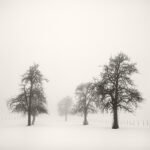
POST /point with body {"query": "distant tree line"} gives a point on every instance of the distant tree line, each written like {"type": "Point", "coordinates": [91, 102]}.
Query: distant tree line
{"type": "Point", "coordinates": [113, 91]}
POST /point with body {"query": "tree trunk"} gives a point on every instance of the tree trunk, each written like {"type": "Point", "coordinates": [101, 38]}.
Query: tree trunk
{"type": "Point", "coordinates": [66, 117]}
{"type": "Point", "coordinates": [33, 120]}
{"type": "Point", "coordinates": [29, 117]}
{"type": "Point", "coordinates": [115, 118]}
{"type": "Point", "coordinates": [85, 122]}
{"type": "Point", "coordinates": [115, 107]}
{"type": "Point", "coordinates": [29, 108]}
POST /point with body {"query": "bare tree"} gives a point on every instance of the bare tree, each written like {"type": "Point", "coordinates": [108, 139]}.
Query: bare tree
{"type": "Point", "coordinates": [31, 100]}
{"type": "Point", "coordinates": [85, 100]}
{"type": "Point", "coordinates": [64, 107]}
{"type": "Point", "coordinates": [116, 88]}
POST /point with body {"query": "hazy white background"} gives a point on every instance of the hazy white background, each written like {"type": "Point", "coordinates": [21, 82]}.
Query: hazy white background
{"type": "Point", "coordinates": [70, 39]}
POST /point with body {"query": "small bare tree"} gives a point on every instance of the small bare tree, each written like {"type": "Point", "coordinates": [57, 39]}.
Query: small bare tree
{"type": "Point", "coordinates": [85, 100]}
{"type": "Point", "coordinates": [64, 107]}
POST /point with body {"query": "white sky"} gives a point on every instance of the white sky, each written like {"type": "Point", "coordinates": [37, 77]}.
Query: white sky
{"type": "Point", "coordinates": [70, 39]}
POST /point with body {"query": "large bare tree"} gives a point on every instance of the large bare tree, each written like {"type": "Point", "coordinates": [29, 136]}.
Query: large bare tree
{"type": "Point", "coordinates": [116, 89]}
{"type": "Point", "coordinates": [31, 100]}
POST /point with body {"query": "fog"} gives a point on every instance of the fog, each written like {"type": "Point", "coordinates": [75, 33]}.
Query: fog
{"type": "Point", "coordinates": [71, 40]}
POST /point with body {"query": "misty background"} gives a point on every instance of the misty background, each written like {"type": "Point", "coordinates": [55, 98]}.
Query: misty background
{"type": "Point", "coordinates": [71, 40]}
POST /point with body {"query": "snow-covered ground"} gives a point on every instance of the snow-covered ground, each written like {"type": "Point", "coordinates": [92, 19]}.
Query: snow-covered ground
{"type": "Point", "coordinates": [51, 133]}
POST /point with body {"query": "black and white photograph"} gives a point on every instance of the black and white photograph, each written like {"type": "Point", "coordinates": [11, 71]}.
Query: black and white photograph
{"type": "Point", "coordinates": [74, 74]}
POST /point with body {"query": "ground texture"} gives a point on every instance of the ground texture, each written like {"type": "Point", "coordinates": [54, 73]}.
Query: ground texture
{"type": "Point", "coordinates": [71, 135]}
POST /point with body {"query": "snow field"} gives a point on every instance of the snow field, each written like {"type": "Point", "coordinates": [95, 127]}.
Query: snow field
{"type": "Point", "coordinates": [55, 134]}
